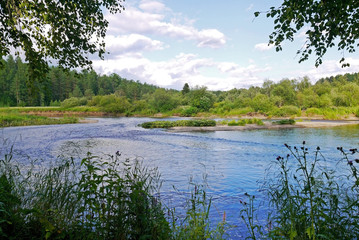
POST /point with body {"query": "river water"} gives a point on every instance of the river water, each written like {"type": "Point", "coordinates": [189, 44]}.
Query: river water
{"type": "Point", "coordinates": [232, 163]}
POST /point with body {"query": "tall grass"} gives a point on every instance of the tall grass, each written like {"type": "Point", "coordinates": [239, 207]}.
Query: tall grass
{"type": "Point", "coordinates": [102, 198]}
{"type": "Point", "coordinates": [310, 200]}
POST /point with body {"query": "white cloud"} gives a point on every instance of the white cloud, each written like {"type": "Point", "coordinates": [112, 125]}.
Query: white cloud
{"type": "Point", "coordinates": [131, 43]}
{"type": "Point", "coordinates": [181, 69]}
{"type": "Point", "coordinates": [250, 7]}
{"type": "Point", "coordinates": [263, 46]}
{"type": "Point", "coordinates": [332, 68]}
{"type": "Point", "coordinates": [152, 6]}
{"type": "Point", "coordinates": [133, 20]}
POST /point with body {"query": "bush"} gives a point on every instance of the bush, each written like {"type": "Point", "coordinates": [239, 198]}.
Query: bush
{"type": "Point", "coordinates": [189, 112]}
{"type": "Point", "coordinates": [71, 102]}
{"type": "Point", "coordinates": [284, 121]}
{"type": "Point", "coordinates": [179, 123]}
{"type": "Point", "coordinates": [243, 122]}
{"type": "Point", "coordinates": [286, 111]}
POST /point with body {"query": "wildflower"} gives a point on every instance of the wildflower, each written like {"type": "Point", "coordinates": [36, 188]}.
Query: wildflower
{"type": "Point", "coordinates": [318, 148]}
{"type": "Point", "coordinates": [303, 142]}
{"type": "Point", "coordinates": [118, 153]}
{"type": "Point", "coordinates": [356, 160]}
{"type": "Point", "coordinates": [286, 145]}
{"type": "Point", "coordinates": [350, 163]}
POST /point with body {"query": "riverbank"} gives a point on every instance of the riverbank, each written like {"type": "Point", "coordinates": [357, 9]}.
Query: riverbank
{"type": "Point", "coordinates": [267, 125]}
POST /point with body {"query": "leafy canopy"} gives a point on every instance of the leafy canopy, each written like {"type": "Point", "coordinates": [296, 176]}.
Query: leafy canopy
{"type": "Point", "coordinates": [68, 31]}
{"type": "Point", "coordinates": [327, 23]}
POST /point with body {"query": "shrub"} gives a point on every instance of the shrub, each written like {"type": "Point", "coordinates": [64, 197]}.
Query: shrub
{"type": "Point", "coordinates": [285, 121]}
{"type": "Point", "coordinates": [189, 111]}
{"type": "Point", "coordinates": [71, 102]}
{"type": "Point", "coordinates": [286, 111]}
{"type": "Point", "coordinates": [179, 123]}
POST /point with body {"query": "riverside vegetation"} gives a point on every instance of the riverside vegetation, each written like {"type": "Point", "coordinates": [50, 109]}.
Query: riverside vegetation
{"type": "Point", "coordinates": [87, 92]}
{"type": "Point", "coordinates": [14, 118]}
{"type": "Point", "coordinates": [114, 198]}
{"type": "Point", "coordinates": [99, 198]}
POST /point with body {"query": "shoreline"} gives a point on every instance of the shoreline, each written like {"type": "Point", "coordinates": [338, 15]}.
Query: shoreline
{"type": "Point", "coordinates": [267, 125]}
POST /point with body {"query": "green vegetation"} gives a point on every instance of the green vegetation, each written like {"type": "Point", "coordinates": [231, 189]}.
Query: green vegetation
{"type": "Point", "coordinates": [102, 198]}
{"type": "Point", "coordinates": [11, 119]}
{"type": "Point", "coordinates": [180, 123]}
{"type": "Point", "coordinates": [74, 37]}
{"type": "Point", "coordinates": [337, 19]}
{"type": "Point", "coordinates": [309, 200]}
{"type": "Point", "coordinates": [242, 122]}
{"type": "Point", "coordinates": [284, 121]}
{"type": "Point", "coordinates": [329, 98]}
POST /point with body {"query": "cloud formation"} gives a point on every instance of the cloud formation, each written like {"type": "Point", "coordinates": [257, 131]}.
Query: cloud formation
{"type": "Point", "coordinates": [183, 68]}
{"type": "Point", "coordinates": [151, 19]}
{"type": "Point", "coordinates": [332, 68]}
{"type": "Point", "coordinates": [263, 46]}
{"type": "Point", "coordinates": [132, 43]}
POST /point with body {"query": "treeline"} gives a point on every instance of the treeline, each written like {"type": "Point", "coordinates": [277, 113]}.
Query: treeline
{"type": "Point", "coordinates": [59, 85]}
{"type": "Point", "coordinates": [330, 97]}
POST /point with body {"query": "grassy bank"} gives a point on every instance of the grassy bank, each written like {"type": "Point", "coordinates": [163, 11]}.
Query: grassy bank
{"type": "Point", "coordinates": [14, 118]}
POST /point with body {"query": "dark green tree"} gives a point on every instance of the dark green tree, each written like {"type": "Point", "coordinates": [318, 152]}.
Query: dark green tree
{"type": "Point", "coordinates": [18, 85]}
{"type": "Point", "coordinates": [68, 31]}
{"type": "Point", "coordinates": [329, 23]}
{"type": "Point", "coordinates": [185, 89]}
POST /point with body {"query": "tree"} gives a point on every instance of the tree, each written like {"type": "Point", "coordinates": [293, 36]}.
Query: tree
{"type": "Point", "coordinates": [185, 89]}
{"type": "Point", "coordinates": [68, 31]}
{"type": "Point", "coordinates": [327, 23]}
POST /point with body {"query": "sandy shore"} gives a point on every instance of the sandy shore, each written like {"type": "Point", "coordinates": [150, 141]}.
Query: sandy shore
{"type": "Point", "coordinates": [267, 125]}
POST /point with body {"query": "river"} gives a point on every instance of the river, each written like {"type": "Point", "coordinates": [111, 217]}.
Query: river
{"type": "Point", "coordinates": [233, 162]}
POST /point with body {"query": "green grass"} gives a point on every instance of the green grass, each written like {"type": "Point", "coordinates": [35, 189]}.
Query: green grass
{"type": "Point", "coordinates": [11, 119]}
{"type": "Point", "coordinates": [284, 122]}
{"type": "Point", "coordinates": [179, 123]}
{"type": "Point", "coordinates": [242, 122]}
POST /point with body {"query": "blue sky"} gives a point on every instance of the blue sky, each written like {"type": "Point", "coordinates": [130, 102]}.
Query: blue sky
{"type": "Point", "coordinates": [205, 43]}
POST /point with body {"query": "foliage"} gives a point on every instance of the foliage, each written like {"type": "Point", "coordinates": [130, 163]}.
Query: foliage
{"type": "Point", "coordinates": [286, 111]}
{"type": "Point", "coordinates": [201, 99]}
{"type": "Point", "coordinates": [100, 199]}
{"type": "Point", "coordinates": [73, 102]}
{"type": "Point", "coordinates": [74, 34]}
{"type": "Point", "coordinates": [334, 97]}
{"type": "Point", "coordinates": [284, 122]}
{"type": "Point", "coordinates": [189, 112]}
{"type": "Point", "coordinates": [179, 123]}
{"type": "Point", "coordinates": [197, 224]}
{"type": "Point", "coordinates": [327, 24]}
{"type": "Point", "coordinates": [242, 122]}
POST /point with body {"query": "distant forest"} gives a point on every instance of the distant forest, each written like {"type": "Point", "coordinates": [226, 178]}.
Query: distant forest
{"type": "Point", "coordinates": [60, 85]}
{"type": "Point", "coordinates": [118, 95]}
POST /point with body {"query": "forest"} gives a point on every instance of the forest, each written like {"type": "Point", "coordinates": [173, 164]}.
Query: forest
{"type": "Point", "coordinates": [333, 97]}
